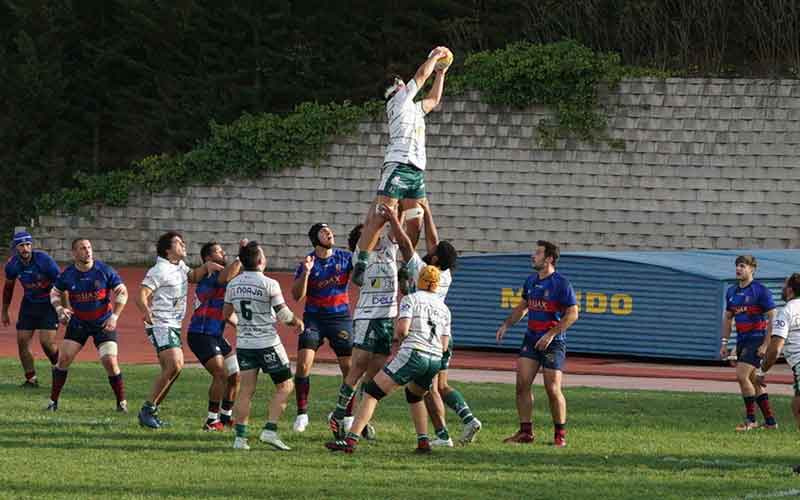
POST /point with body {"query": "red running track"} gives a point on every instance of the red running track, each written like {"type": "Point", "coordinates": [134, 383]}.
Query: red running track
{"type": "Point", "coordinates": [134, 347]}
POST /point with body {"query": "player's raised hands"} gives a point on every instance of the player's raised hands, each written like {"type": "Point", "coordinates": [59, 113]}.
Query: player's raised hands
{"type": "Point", "coordinates": [213, 267]}
{"type": "Point", "coordinates": [308, 263]}
{"type": "Point", "coordinates": [387, 212]}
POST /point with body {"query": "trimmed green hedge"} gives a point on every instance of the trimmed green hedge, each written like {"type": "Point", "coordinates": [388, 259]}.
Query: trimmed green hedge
{"type": "Point", "coordinates": [563, 76]}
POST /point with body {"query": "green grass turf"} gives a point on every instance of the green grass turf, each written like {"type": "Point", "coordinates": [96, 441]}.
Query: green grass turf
{"type": "Point", "coordinates": [622, 444]}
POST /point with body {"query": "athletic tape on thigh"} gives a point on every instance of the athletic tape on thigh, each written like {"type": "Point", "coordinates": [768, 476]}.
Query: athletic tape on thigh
{"type": "Point", "coordinates": [108, 348]}
{"type": "Point", "coordinates": [231, 365]}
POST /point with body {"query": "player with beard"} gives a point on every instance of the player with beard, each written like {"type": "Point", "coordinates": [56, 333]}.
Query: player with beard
{"type": "Point", "coordinates": [36, 272]}
{"type": "Point", "coordinates": [551, 306]}
{"type": "Point", "coordinates": [81, 297]}
{"type": "Point", "coordinates": [750, 305]}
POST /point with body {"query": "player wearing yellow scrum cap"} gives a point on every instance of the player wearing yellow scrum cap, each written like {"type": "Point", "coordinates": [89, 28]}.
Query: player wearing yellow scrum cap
{"type": "Point", "coordinates": [429, 279]}
{"type": "Point", "coordinates": [423, 326]}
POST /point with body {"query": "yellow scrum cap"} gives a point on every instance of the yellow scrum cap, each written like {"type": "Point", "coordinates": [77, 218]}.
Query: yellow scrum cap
{"type": "Point", "coordinates": [429, 278]}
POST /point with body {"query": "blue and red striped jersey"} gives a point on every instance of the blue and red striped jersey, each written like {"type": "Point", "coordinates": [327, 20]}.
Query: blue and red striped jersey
{"type": "Point", "coordinates": [547, 300]}
{"type": "Point", "coordinates": [749, 306]}
{"type": "Point", "coordinates": [36, 277]}
{"type": "Point", "coordinates": [209, 297]}
{"type": "Point", "coordinates": [327, 283]}
{"type": "Point", "coordinates": [89, 292]}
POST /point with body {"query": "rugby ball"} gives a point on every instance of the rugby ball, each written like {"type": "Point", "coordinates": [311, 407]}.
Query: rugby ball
{"type": "Point", "coordinates": [444, 61]}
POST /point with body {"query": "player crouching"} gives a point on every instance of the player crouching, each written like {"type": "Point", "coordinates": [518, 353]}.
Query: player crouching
{"type": "Point", "coordinates": [258, 303]}
{"type": "Point", "coordinates": [423, 325]}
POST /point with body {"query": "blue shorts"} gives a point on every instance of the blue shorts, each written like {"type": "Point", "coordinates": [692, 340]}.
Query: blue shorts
{"type": "Point", "coordinates": [338, 329]}
{"type": "Point", "coordinates": [747, 350]}
{"type": "Point", "coordinates": [80, 332]}
{"type": "Point", "coordinates": [206, 347]}
{"type": "Point", "coordinates": [551, 358]}
{"type": "Point", "coordinates": [33, 316]}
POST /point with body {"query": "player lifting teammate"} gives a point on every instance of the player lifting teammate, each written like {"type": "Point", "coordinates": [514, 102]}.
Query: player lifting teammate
{"type": "Point", "coordinates": [549, 301]}
{"type": "Point", "coordinates": [36, 272]}
{"type": "Point", "coordinates": [81, 297]}
{"type": "Point", "coordinates": [423, 326]}
{"type": "Point", "coordinates": [258, 303]}
{"type": "Point", "coordinates": [373, 318]}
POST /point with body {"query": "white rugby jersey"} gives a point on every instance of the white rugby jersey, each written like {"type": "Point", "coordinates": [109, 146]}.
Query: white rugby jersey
{"type": "Point", "coordinates": [170, 284]}
{"type": "Point", "coordinates": [416, 265]}
{"type": "Point", "coordinates": [377, 299]}
{"type": "Point", "coordinates": [253, 297]}
{"type": "Point", "coordinates": [787, 326]}
{"type": "Point", "coordinates": [406, 128]}
{"type": "Point", "coordinates": [430, 321]}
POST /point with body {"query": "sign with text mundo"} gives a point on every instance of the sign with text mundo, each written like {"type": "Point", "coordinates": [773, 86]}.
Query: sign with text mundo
{"type": "Point", "coordinates": [624, 307]}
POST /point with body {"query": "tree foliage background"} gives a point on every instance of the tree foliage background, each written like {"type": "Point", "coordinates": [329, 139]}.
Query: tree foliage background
{"type": "Point", "coordinates": [90, 86]}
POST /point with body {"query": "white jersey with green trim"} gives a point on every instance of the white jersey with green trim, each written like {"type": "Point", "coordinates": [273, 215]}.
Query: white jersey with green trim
{"type": "Point", "coordinates": [253, 297]}
{"type": "Point", "coordinates": [377, 298]}
{"type": "Point", "coordinates": [170, 285]}
{"type": "Point", "coordinates": [787, 326]}
{"type": "Point", "coordinates": [415, 266]}
{"type": "Point", "coordinates": [406, 128]}
{"type": "Point", "coordinates": [430, 321]}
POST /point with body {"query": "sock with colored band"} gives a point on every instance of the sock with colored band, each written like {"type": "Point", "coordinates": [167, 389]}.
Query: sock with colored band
{"type": "Point", "coordinates": [30, 376]}
{"type": "Point", "coordinates": [271, 426]}
{"type": "Point", "coordinates": [455, 401]}
{"type": "Point", "coordinates": [118, 386]}
{"type": "Point", "coordinates": [241, 430]}
{"type": "Point", "coordinates": [766, 409]}
{"type": "Point", "coordinates": [59, 379]}
{"type": "Point", "coordinates": [750, 408]}
{"type": "Point", "coordinates": [443, 434]}
{"type": "Point", "coordinates": [352, 439]}
{"type": "Point", "coordinates": [226, 412]}
{"type": "Point", "coordinates": [526, 427]}
{"type": "Point", "coordinates": [302, 387]}
{"type": "Point", "coordinates": [213, 411]}
{"type": "Point", "coordinates": [344, 403]}
{"type": "Point", "coordinates": [560, 429]}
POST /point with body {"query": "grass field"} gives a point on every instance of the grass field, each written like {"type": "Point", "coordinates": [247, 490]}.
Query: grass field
{"type": "Point", "coordinates": [633, 444]}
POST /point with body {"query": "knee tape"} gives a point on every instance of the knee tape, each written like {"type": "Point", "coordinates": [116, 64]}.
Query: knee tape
{"type": "Point", "coordinates": [231, 365]}
{"type": "Point", "coordinates": [373, 390]}
{"type": "Point", "coordinates": [411, 397]}
{"type": "Point", "coordinates": [108, 348]}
